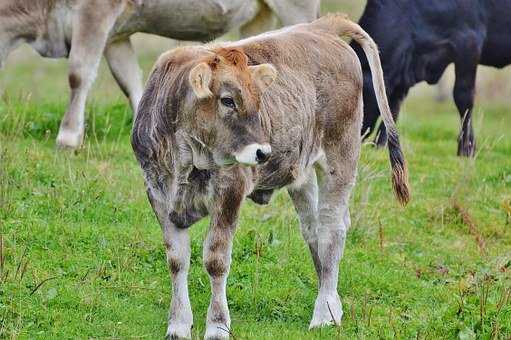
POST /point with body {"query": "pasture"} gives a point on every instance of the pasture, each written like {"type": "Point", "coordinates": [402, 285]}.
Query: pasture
{"type": "Point", "coordinates": [81, 254]}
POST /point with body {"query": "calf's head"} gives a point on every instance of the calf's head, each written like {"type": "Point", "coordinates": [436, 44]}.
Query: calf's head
{"type": "Point", "coordinates": [225, 101]}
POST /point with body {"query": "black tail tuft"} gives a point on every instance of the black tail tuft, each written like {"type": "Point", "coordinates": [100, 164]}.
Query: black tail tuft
{"type": "Point", "coordinates": [399, 169]}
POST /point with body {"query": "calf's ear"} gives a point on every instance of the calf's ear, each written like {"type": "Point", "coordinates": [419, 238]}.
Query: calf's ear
{"type": "Point", "coordinates": [200, 80]}
{"type": "Point", "coordinates": [263, 75]}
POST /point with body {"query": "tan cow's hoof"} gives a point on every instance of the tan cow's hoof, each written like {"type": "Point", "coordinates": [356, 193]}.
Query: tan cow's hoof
{"type": "Point", "coordinates": [69, 139]}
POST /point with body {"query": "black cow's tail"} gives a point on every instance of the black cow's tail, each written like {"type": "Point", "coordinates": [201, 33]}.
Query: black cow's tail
{"type": "Point", "coordinates": [340, 24]}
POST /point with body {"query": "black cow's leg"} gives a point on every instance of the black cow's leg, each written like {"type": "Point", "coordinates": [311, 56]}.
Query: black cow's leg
{"type": "Point", "coordinates": [381, 135]}
{"type": "Point", "coordinates": [380, 140]}
{"type": "Point", "coordinates": [464, 89]}
{"type": "Point", "coordinates": [369, 125]}
{"type": "Point", "coordinates": [371, 112]}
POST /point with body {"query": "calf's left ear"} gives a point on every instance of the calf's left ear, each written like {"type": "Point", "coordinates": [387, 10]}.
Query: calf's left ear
{"type": "Point", "coordinates": [263, 75]}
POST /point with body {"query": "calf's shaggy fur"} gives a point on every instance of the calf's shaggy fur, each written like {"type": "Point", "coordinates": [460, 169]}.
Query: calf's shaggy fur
{"type": "Point", "coordinates": [223, 122]}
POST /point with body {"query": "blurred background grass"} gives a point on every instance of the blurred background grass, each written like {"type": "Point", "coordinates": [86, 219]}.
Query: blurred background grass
{"type": "Point", "coordinates": [28, 74]}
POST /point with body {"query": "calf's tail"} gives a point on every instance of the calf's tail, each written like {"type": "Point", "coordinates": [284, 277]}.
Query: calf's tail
{"type": "Point", "coordinates": [342, 26]}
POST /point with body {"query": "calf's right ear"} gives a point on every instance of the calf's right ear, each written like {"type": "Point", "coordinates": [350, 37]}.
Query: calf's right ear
{"type": "Point", "coordinates": [200, 80]}
{"type": "Point", "coordinates": [264, 75]}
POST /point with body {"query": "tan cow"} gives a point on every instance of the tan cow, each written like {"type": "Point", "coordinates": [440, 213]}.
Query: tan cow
{"type": "Point", "coordinates": [83, 30]}
{"type": "Point", "coordinates": [223, 122]}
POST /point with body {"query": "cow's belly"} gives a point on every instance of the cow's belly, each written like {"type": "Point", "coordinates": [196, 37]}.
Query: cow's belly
{"type": "Point", "coordinates": [497, 53]}
{"type": "Point", "coordinates": [200, 20]}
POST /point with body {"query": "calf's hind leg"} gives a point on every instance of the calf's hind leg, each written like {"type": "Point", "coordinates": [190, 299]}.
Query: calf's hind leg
{"type": "Point", "coordinates": [305, 200]}
{"type": "Point", "coordinates": [336, 183]}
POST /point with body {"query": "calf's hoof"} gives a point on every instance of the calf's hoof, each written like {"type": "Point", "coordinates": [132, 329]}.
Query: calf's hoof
{"type": "Point", "coordinates": [327, 311]}
{"type": "Point", "coordinates": [69, 139]}
{"type": "Point", "coordinates": [179, 331]}
{"type": "Point", "coordinates": [216, 331]}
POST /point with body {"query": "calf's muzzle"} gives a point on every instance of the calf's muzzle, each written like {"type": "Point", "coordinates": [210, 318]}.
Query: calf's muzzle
{"type": "Point", "coordinates": [253, 154]}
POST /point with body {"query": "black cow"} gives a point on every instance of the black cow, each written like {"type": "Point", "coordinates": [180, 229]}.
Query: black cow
{"type": "Point", "coordinates": [418, 39]}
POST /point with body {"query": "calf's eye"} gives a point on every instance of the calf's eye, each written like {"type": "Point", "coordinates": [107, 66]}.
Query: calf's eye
{"type": "Point", "coordinates": [228, 102]}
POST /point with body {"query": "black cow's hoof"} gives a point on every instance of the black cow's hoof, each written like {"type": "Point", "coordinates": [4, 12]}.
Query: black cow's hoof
{"type": "Point", "coordinates": [466, 148]}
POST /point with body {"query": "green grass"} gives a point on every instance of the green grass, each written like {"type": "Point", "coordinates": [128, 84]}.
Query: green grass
{"type": "Point", "coordinates": [82, 221]}
{"type": "Point", "coordinates": [82, 254]}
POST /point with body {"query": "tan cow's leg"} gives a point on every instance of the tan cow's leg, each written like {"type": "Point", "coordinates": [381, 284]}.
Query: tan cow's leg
{"type": "Point", "coordinates": [217, 254]}
{"type": "Point", "coordinates": [291, 12]}
{"type": "Point", "coordinates": [265, 20]}
{"type": "Point", "coordinates": [90, 33]}
{"type": "Point", "coordinates": [177, 245]}
{"type": "Point", "coordinates": [123, 63]}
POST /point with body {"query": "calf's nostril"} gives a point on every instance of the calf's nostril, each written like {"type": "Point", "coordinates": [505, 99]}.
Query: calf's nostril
{"type": "Point", "coordinates": [261, 156]}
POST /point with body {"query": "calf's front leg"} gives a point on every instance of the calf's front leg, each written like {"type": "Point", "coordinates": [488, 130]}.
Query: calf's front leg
{"type": "Point", "coordinates": [217, 256]}
{"type": "Point", "coordinates": [177, 245]}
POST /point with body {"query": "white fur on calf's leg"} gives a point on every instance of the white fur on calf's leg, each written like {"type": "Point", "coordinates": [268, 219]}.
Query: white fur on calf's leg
{"type": "Point", "coordinates": [217, 260]}
{"type": "Point", "coordinates": [177, 246]}
{"type": "Point", "coordinates": [218, 247]}
{"type": "Point", "coordinates": [331, 241]}
{"type": "Point", "coordinates": [333, 226]}
{"type": "Point", "coordinates": [305, 200]}
{"type": "Point", "coordinates": [177, 243]}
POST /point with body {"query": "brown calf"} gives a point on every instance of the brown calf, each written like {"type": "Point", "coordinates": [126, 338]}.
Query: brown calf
{"type": "Point", "coordinates": [223, 122]}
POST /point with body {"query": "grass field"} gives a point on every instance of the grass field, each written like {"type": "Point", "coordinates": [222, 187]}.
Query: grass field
{"type": "Point", "coordinates": [81, 254]}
